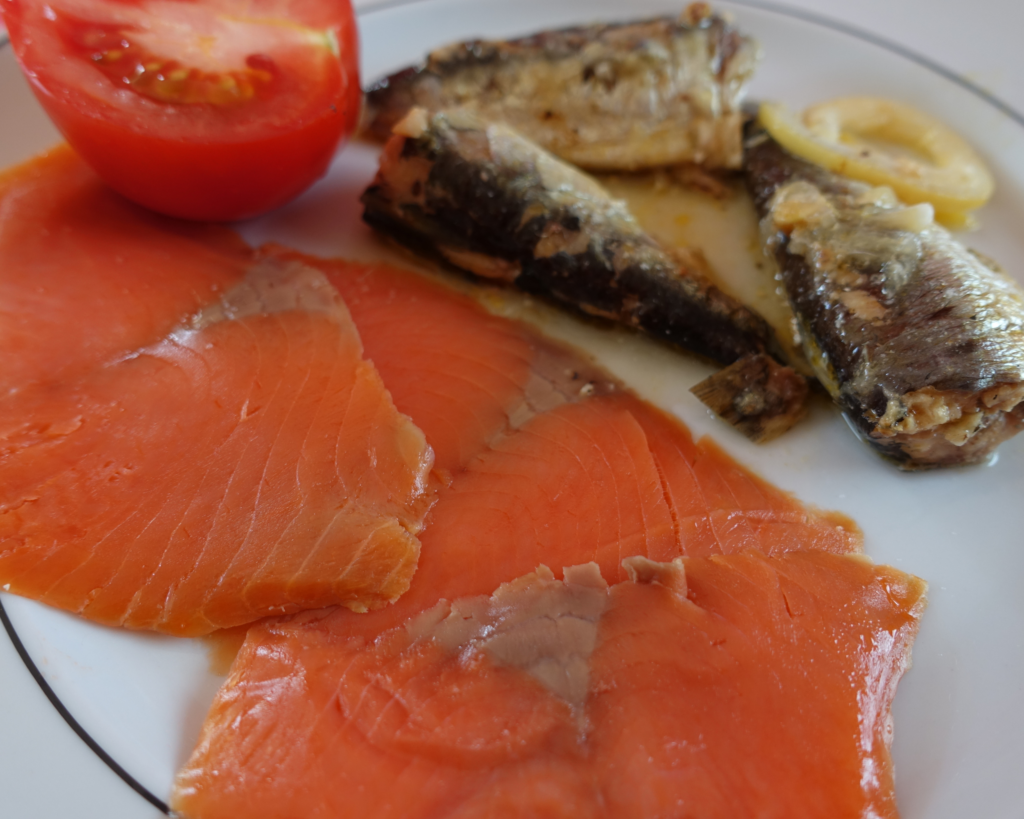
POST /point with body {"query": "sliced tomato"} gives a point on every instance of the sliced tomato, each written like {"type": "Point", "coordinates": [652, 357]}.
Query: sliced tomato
{"type": "Point", "coordinates": [203, 109]}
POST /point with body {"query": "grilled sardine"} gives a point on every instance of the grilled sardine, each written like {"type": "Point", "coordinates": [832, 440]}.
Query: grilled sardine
{"type": "Point", "coordinates": [604, 97]}
{"type": "Point", "coordinates": [490, 202]}
{"type": "Point", "coordinates": [917, 338]}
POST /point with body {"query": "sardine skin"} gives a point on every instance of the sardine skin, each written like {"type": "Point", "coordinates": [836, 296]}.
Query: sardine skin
{"type": "Point", "coordinates": [618, 96]}
{"type": "Point", "coordinates": [489, 202]}
{"type": "Point", "coordinates": [917, 338]}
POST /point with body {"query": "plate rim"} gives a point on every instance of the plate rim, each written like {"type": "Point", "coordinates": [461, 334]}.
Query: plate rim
{"type": "Point", "coordinates": [369, 9]}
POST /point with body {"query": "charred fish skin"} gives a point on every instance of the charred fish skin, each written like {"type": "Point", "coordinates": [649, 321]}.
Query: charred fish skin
{"type": "Point", "coordinates": [918, 339]}
{"type": "Point", "coordinates": [604, 97]}
{"type": "Point", "coordinates": [491, 203]}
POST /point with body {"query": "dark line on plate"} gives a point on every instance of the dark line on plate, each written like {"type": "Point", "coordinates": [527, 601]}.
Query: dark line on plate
{"type": "Point", "coordinates": [55, 701]}
{"type": "Point", "coordinates": [387, 5]}
{"type": "Point", "coordinates": [51, 695]}
{"type": "Point", "coordinates": [829, 23]}
{"type": "Point", "coordinates": [890, 45]}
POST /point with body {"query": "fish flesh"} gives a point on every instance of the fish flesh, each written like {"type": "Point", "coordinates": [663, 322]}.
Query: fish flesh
{"type": "Point", "coordinates": [249, 462]}
{"type": "Point", "coordinates": [917, 338]}
{"type": "Point", "coordinates": [721, 507]}
{"type": "Point", "coordinates": [547, 457]}
{"type": "Point", "coordinates": [248, 465]}
{"type": "Point", "coordinates": [463, 372]}
{"type": "Point", "coordinates": [583, 480]}
{"type": "Point", "coordinates": [489, 202]}
{"type": "Point", "coordinates": [85, 251]}
{"type": "Point", "coordinates": [695, 687]}
{"type": "Point", "coordinates": [620, 96]}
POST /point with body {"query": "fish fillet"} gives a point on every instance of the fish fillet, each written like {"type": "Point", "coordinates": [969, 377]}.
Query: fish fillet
{"type": "Point", "coordinates": [247, 462]}
{"type": "Point", "coordinates": [480, 197]}
{"type": "Point", "coordinates": [649, 698]}
{"type": "Point", "coordinates": [569, 467]}
{"type": "Point", "coordinates": [618, 96]}
{"type": "Point", "coordinates": [917, 338]}
{"type": "Point", "coordinates": [85, 275]}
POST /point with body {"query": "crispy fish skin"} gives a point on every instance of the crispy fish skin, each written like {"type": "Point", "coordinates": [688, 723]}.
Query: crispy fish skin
{"type": "Point", "coordinates": [493, 204]}
{"type": "Point", "coordinates": [917, 338]}
{"type": "Point", "coordinates": [490, 202]}
{"type": "Point", "coordinates": [604, 97]}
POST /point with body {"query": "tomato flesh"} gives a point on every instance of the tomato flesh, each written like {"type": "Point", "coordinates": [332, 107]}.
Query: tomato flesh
{"type": "Point", "coordinates": [202, 109]}
{"type": "Point", "coordinates": [124, 61]}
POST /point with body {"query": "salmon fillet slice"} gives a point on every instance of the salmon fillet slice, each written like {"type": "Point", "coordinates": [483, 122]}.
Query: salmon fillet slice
{"type": "Point", "coordinates": [576, 483]}
{"type": "Point", "coordinates": [546, 458]}
{"type": "Point", "coordinates": [722, 686]}
{"type": "Point", "coordinates": [470, 380]}
{"type": "Point", "coordinates": [461, 371]}
{"type": "Point", "coordinates": [772, 692]}
{"type": "Point", "coordinates": [85, 275]}
{"type": "Point", "coordinates": [720, 507]}
{"type": "Point", "coordinates": [250, 463]}
{"type": "Point", "coordinates": [603, 479]}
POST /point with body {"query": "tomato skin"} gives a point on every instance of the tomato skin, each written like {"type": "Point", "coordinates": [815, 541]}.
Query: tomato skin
{"type": "Point", "coordinates": [226, 171]}
{"type": "Point", "coordinates": [209, 181]}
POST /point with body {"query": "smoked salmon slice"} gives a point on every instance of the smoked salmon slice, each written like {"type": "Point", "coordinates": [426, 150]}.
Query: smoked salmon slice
{"type": "Point", "coordinates": [720, 507]}
{"type": "Point", "coordinates": [566, 466]}
{"type": "Point", "coordinates": [546, 457]}
{"type": "Point", "coordinates": [603, 479]}
{"type": "Point", "coordinates": [86, 276]}
{"type": "Point", "coordinates": [722, 686]}
{"type": "Point", "coordinates": [462, 371]}
{"type": "Point", "coordinates": [250, 463]}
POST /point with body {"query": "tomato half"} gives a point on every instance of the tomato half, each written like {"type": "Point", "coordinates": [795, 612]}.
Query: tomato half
{"type": "Point", "coordinates": [203, 109]}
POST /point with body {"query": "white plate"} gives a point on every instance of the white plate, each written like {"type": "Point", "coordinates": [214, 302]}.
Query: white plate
{"type": "Point", "coordinates": [959, 745]}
